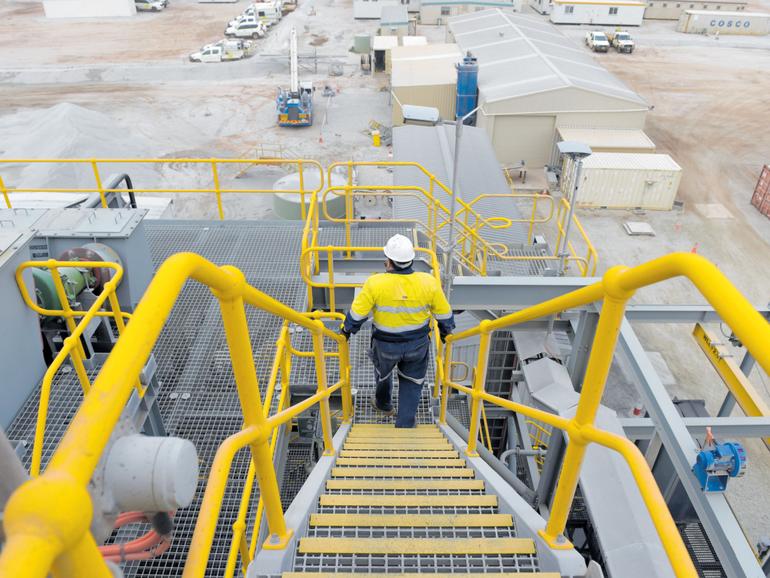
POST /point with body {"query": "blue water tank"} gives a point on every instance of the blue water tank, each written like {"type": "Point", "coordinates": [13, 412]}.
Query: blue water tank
{"type": "Point", "coordinates": [467, 87]}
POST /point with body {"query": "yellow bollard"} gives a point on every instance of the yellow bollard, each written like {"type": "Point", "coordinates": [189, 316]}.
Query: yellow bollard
{"type": "Point", "coordinates": [376, 139]}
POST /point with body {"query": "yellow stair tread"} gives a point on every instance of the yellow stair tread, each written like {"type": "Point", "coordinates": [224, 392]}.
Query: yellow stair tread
{"type": "Point", "coordinates": [376, 445]}
{"type": "Point", "coordinates": [428, 435]}
{"type": "Point", "coordinates": [417, 575]}
{"type": "Point", "coordinates": [399, 453]}
{"type": "Point", "coordinates": [439, 484]}
{"type": "Point", "coordinates": [484, 500]}
{"type": "Point", "coordinates": [353, 472]}
{"type": "Point", "coordinates": [390, 426]}
{"type": "Point", "coordinates": [388, 461]}
{"type": "Point", "coordinates": [355, 431]}
{"type": "Point", "coordinates": [412, 520]}
{"type": "Point", "coordinates": [416, 546]}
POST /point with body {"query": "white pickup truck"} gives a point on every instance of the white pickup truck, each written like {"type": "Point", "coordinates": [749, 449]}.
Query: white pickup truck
{"type": "Point", "coordinates": [150, 5]}
{"type": "Point", "coordinates": [597, 41]}
{"type": "Point", "coordinates": [247, 28]}
{"type": "Point", "coordinates": [622, 41]}
{"type": "Point", "coordinates": [222, 51]}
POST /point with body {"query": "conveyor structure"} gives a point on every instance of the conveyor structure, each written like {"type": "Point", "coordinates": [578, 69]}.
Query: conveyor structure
{"type": "Point", "coordinates": [217, 344]}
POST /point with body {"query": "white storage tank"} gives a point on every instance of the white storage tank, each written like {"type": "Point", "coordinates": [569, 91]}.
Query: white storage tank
{"type": "Point", "coordinates": [625, 181]}
{"type": "Point", "coordinates": [713, 22]}
{"type": "Point", "coordinates": [289, 205]}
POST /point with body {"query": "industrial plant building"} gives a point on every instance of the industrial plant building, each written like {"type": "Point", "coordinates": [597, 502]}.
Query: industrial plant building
{"type": "Point", "coordinates": [602, 12]}
{"type": "Point", "coordinates": [424, 76]}
{"type": "Point", "coordinates": [533, 80]}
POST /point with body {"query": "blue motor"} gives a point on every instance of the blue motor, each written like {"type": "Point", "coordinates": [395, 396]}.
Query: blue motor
{"type": "Point", "coordinates": [717, 463]}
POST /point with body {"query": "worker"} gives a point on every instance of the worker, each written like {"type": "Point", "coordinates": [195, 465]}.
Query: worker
{"type": "Point", "coordinates": [402, 302]}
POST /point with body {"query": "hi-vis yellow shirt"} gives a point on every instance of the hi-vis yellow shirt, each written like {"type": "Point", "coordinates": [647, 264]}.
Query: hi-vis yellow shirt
{"type": "Point", "coordinates": [402, 303]}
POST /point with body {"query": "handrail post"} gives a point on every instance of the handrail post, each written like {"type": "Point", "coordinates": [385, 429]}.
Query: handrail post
{"type": "Point", "coordinates": [347, 394]}
{"type": "Point", "coordinates": [99, 185]}
{"type": "Point", "coordinates": [217, 191]}
{"type": "Point", "coordinates": [348, 208]}
{"type": "Point", "coordinates": [78, 353]}
{"type": "Point", "coordinates": [532, 220]}
{"type": "Point", "coordinates": [302, 209]}
{"type": "Point", "coordinates": [602, 352]}
{"type": "Point", "coordinates": [478, 388]}
{"type": "Point", "coordinates": [4, 190]}
{"type": "Point", "coordinates": [320, 371]}
{"type": "Point", "coordinates": [238, 340]}
{"type": "Point", "coordinates": [447, 378]}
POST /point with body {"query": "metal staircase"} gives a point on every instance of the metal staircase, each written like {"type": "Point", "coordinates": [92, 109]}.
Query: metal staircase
{"type": "Point", "coordinates": [405, 501]}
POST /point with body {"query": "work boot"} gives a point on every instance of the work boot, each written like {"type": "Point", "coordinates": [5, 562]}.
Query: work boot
{"type": "Point", "coordinates": [388, 411]}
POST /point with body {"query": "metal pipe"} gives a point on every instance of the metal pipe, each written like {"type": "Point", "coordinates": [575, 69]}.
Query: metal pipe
{"type": "Point", "coordinates": [572, 202]}
{"type": "Point", "coordinates": [521, 488]}
{"type": "Point", "coordinates": [453, 202]}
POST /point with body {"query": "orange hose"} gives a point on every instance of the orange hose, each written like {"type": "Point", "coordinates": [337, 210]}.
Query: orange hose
{"type": "Point", "coordinates": [145, 547]}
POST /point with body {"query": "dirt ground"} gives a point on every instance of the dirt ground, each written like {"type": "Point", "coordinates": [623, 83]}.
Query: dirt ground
{"type": "Point", "coordinates": [711, 110]}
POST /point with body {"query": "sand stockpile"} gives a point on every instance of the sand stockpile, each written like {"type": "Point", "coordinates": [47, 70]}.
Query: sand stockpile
{"type": "Point", "coordinates": [68, 131]}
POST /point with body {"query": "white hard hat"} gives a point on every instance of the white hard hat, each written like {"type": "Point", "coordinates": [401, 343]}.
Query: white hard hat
{"type": "Point", "coordinates": [399, 249]}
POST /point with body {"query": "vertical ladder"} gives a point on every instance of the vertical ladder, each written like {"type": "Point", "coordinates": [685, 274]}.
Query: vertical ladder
{"type": "Point", "coordinates": [403, 501]}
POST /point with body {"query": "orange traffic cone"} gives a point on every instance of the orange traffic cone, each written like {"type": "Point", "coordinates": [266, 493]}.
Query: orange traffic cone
{"type": "Point", "coordinates": [694, 249]}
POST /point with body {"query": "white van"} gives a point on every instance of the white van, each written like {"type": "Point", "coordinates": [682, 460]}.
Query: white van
{"type": "Point", "coordinates": [247, 28]}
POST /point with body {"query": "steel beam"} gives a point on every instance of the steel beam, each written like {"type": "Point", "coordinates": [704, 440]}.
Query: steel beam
{"type": "Point", "coordinates": [734, 552]}
{"type": "Point", "coordinates": [721, 427]}
{"type": "Point", "coordinates": [512, 293]}
{"type": "Point", "coordinates": [581, 347]}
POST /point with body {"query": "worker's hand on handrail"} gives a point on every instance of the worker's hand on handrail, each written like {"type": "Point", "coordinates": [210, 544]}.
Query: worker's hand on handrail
{"type": "Point", "coordinates": [341, 331]}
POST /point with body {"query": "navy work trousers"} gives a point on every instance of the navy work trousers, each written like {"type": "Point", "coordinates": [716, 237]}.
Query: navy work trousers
{"type": "Point", "coordinates": [410, 360]}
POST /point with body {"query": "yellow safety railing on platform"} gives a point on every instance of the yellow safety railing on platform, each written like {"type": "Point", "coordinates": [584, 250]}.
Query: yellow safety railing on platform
{"type": "Point", "coordinates": [71, 347]}
{"type": "Point", "coordinates": [96, 166]}
{"type": "Point", "coordinates": [617, 286]}
{"type": "Point", "coordinates": [475, 251]}
{"type": "Point", "coordinates": [47, 519]}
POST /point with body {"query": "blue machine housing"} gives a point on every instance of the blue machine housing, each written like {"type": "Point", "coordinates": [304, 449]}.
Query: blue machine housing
{"type": "Point", "coordinates": [467, 87]}
{"type": "Point", "coordinates": [719, 462]}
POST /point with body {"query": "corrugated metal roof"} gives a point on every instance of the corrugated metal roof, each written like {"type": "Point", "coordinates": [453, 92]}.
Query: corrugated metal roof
{"type": "Point", "coordinates": [640, 161]}
{"type": "Point", "coordinates": [429, 65]}
{"type": "Point", "coordinates": [602, 2]}
{"type": "Point", "coordinates": [608, 138]}
{"type": "Point", "coordinates": [722, 13]}
{"type": "Point", "coordinates": [384, 42]}
{"type": "Point", "coordinates": [433, 148]}
{"type": "Point", "coordinates": [394, 14]}
{"type": "Point", "coordinates": [520, 55]}
{"type": "Point", "coordinates": [414, 40]}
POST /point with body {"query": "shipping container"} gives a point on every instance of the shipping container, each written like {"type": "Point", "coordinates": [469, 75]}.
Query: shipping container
{"type": "Point", "coordinates": [604, 12]}
{"type": "Point", "coordinates": [604, 140]}
{"type": "Point", "coordinates": [667, 10]}
{"type": "Point", "coordinates": [761, 197]}
{"type": "Point", "coordinates": [625, 181]}
{"type": "Point", "coordinates": [712, 22]}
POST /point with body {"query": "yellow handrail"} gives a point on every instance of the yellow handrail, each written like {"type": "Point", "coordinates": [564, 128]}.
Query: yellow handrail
{"type": "Point", "coordinates": [616, 287]}
{"type": "Point", "coordinates": [71, 347]}
{"type": "Point", "coordinates": [47, 519]}
{"type": "Point", "coordinates": [214, 164]}
{"type": "Point", "coordinates": [476, 250]}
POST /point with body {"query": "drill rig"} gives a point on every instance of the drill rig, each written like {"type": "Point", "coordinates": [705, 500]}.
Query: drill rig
{"type": "Point", "coordinates": [295, 106]}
